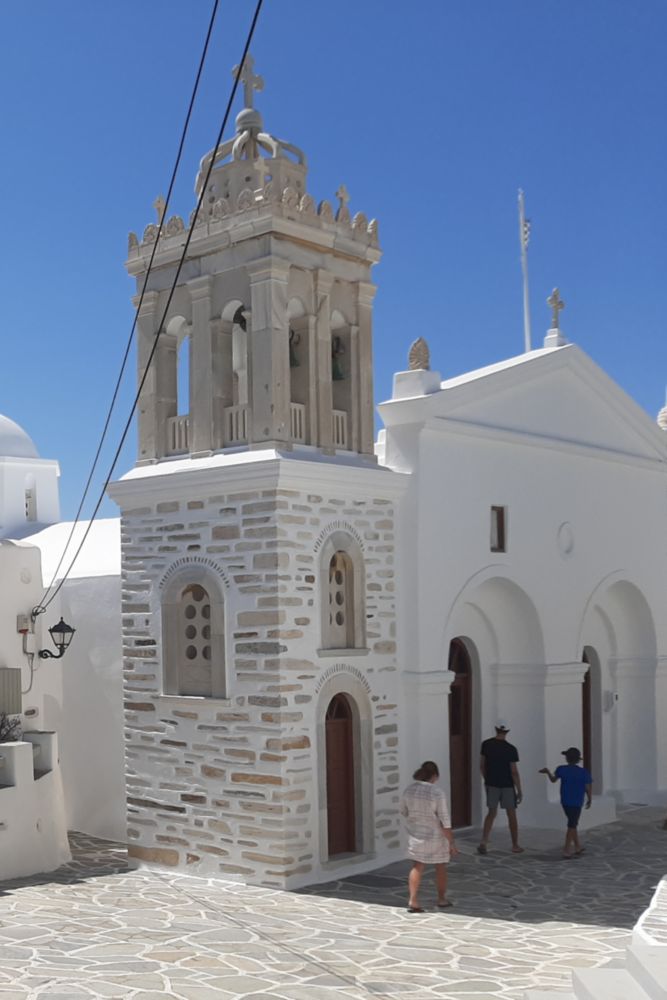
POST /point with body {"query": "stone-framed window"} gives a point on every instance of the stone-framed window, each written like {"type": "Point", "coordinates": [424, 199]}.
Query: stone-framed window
{"type": "Point", "coordinates": [193, 648]}
{"type": "Point", "coordinates": [343, 593]}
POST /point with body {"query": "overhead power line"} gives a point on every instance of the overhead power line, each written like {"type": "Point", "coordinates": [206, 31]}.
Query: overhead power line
{"type": "Point", "coordinates": [128, 346]}
{"type": "Point", "coordinates": [165, 312]}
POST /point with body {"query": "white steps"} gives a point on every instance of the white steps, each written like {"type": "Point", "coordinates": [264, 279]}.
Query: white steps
{"type": "Point", "coordinates": [647, 963]}
{"type": "Point", "coordinates": [606, 984]}
{"type": "Point", "coordinates": [644, 975]}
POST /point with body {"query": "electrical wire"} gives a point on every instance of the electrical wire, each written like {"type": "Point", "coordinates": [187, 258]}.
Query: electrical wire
{"type": "Point", "coordinates": [179, 268]}
{"type": "Point", "coordinates": [114, 397]}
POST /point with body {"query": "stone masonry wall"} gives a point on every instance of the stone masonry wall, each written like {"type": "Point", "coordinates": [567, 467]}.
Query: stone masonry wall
{"type": "Point", "coordinates": [230, 787]}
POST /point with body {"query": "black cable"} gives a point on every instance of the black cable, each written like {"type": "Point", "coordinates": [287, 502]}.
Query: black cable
{"type": "Point", "coordinates": [179, 268]}
{"type": "Point", "coordinates": [114, 397]}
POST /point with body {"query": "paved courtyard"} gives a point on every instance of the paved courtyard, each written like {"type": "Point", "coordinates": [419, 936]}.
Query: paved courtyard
{"type": "Point", "coordinates": [97, 929]}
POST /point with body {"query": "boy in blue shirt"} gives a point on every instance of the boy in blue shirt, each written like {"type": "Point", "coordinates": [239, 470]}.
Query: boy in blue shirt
{"type": "Point", "coordinates": [575, 785]}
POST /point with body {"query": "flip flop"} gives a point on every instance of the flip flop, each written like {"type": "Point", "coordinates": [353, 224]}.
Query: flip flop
{"type": "Point", "coordinates": [443, 906]}
{"type": "Point", "coordinates": [518, 850]}
{"type": "Point", "coordinates": [580, 851]}
{"type": "Point", "coordinates": [415, 909]}
{"type": "Point", "coordinates": [481, 849]}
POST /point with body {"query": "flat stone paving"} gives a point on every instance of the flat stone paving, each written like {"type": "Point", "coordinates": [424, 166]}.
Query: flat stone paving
{"type": "Point", "coordinates": [96, 928]}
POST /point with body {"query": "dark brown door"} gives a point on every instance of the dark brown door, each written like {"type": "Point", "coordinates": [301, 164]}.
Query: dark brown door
{"type": "Point", "coordinates": [586, 720]}
{"type": "Point", "coordinates": [340, 776]}
{"type": "Point", "coordinates": [460, 734]}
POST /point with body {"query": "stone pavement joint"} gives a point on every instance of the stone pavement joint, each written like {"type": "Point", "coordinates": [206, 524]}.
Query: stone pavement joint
{"type": "Point", "coordinates": [96, 928]}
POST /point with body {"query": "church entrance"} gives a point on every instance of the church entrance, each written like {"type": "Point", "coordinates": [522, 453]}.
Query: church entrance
{"type": "Point", "coordinates": [460, 734]}
{"type": "Point", "coordinates": [586, 717]}
{"type": "Point", "coordinates": [339, 728]}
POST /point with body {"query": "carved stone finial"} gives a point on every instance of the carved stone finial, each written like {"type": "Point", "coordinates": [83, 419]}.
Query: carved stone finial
{"type": "Point", "coordinates": [556, 304]}
{"type": "Point", "coordinates": [343, 196]}
{"type": "Point", "coordinates": [160, 206]}
{"type": "Point", "coordinates": [249, 80]}
{"type": "Point", "coordinates": [132, 241]}
{"type": "Point", "coordinates": [419, 356]}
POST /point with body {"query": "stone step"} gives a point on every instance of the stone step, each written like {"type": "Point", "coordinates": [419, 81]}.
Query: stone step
{"type": "Point", "coordinates": [606, 984]}
{"type": "Point", "coordinates": [647, 963]}
{"type": "Point", "coordinates": [548, 995]}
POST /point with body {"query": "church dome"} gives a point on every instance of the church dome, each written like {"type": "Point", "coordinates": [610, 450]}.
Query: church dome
{"type": "Point", "coordinates": [14, 442]}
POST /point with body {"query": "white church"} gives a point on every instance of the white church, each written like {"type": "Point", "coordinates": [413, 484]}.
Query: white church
{"type": "Point", "coordinates": [308, 613]}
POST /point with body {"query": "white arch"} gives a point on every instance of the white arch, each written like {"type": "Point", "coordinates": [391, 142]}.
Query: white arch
{"type": "Point", "coordinates": [506, 612]}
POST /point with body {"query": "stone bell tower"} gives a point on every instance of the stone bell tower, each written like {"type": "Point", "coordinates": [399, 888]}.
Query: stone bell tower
{"type": "Point", "coordinates": [274, 302]}
{"type": "Point", "coordinates": [258, 547]}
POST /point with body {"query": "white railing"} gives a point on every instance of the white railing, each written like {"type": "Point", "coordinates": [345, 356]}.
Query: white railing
{"type": "Point", "coordinates": [236, 424]}
{"type": "Point", "coordinates": [340, 429]}
{"type": "Point", "coordinates": [297, 415]}
{"type": "Point", "coordinates": [178, 434]}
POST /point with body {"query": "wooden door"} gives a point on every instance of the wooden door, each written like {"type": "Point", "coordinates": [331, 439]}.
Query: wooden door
{"type": "Point", "coordinates": [340, 776]}
{"type": "Point", "coordinates": [587, 718]}
{"type": "Point", "coordinates": [460, 734]}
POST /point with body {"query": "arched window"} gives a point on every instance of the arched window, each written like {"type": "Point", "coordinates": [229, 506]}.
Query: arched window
{"type": "Point", "coordinates": [341, 601]}
{"type": "Point", "coordinates": [193, 639]}
{"type": "Point", "coordinates": [343, 592]}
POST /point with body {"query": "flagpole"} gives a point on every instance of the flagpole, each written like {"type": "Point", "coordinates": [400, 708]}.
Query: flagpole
{"type": "Point", "coordinates": [524, 232]}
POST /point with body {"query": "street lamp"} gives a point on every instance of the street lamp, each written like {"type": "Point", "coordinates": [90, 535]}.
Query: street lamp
{"type": "Point", "coordinates": [62, 634]}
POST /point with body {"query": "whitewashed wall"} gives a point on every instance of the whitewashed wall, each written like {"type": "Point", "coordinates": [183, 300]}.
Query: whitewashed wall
{"type": "Point", "coordinates": [582, 472]}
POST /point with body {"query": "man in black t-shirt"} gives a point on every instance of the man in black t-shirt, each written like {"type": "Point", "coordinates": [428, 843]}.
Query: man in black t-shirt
{"type": "Point", "coordinates": [503, 785]}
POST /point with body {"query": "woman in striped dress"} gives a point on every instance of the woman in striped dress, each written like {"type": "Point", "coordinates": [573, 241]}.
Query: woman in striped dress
{"type": "Point", "coordinates": [430, 837]}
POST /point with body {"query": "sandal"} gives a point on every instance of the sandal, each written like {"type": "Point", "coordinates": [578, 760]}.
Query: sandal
{"type": "Point", "coordinates": [481, 849]}
{"type": "Point", "coordinates": [445, 905]}
{"type": "Point", "coordinates": [415, 909]}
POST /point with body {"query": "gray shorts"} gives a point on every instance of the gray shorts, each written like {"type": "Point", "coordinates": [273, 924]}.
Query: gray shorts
{"type": "Point", "coordinates": [503, 797]}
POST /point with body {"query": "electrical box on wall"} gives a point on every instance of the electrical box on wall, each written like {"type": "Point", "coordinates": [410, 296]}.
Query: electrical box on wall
{"type": "Point", "coordinates": [23, 623]}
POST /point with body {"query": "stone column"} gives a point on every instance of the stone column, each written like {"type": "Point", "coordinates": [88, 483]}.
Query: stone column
{"type": "Point", "coordinates": [365, 296]}
{"type": "Point", "coordinates": [661, 734]}
{"type": "Point", "coordinates": [635, 723]}
{"type": "Point", "coordinates": [147, 409]}
{"type": "Point", "coordinates": [517, 697]}
{"type": "Point", "coordinates": [202, 419]}
{"type": "Point", "coordinates": [563, 720]}
{"type": "Point", "coordinates": [426, 721]}
{"type": "Point", "coordinates": [269, 350]}
{"type": "Point", "coordinates": [158, 397]}
{"type": "Point", "coordinates": [323, 390]}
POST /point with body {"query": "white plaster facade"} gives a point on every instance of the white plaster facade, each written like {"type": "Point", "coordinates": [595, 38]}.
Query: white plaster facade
{"type": "Point", "coordinates": [580, 472]}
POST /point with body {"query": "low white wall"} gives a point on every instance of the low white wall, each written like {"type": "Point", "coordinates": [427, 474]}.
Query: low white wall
{"type": "Point", "coordinates": [91, 715]}
{"type": "Point", "coordinates": [33, 830]}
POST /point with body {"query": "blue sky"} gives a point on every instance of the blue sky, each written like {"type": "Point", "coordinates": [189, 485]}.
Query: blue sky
{"type": "Point", "coordinates": [432, 113]}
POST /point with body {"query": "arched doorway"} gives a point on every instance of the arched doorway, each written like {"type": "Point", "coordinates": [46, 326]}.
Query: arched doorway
{"type": "Point", "coordinates": [586, 715]}
{"type": "Point", "coordinates": [460, 734]}
{"type": "Point", "coordinates": [341, 823]}
{"type": "Point", "coordinates": [591, 717]}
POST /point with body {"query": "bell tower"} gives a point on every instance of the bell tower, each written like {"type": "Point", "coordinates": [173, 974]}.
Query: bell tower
{"type": "Point", "coordinates": [273, 309]}
{"type": "Point", "coordinates": [259, 624]}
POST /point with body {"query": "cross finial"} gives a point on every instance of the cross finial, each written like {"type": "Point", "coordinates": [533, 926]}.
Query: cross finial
{"type": "Point", "coordinates": [556, 304]}
{"type": "Point", "coordinates": [343, 196]}
{"type": "Point", "coordinates": [249, 80]}
{"type": "Point", "coordinates": [159, 205]}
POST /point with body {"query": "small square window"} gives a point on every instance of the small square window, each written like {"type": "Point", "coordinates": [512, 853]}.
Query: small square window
{"type": "Point", "coordinates": [498, 529]}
